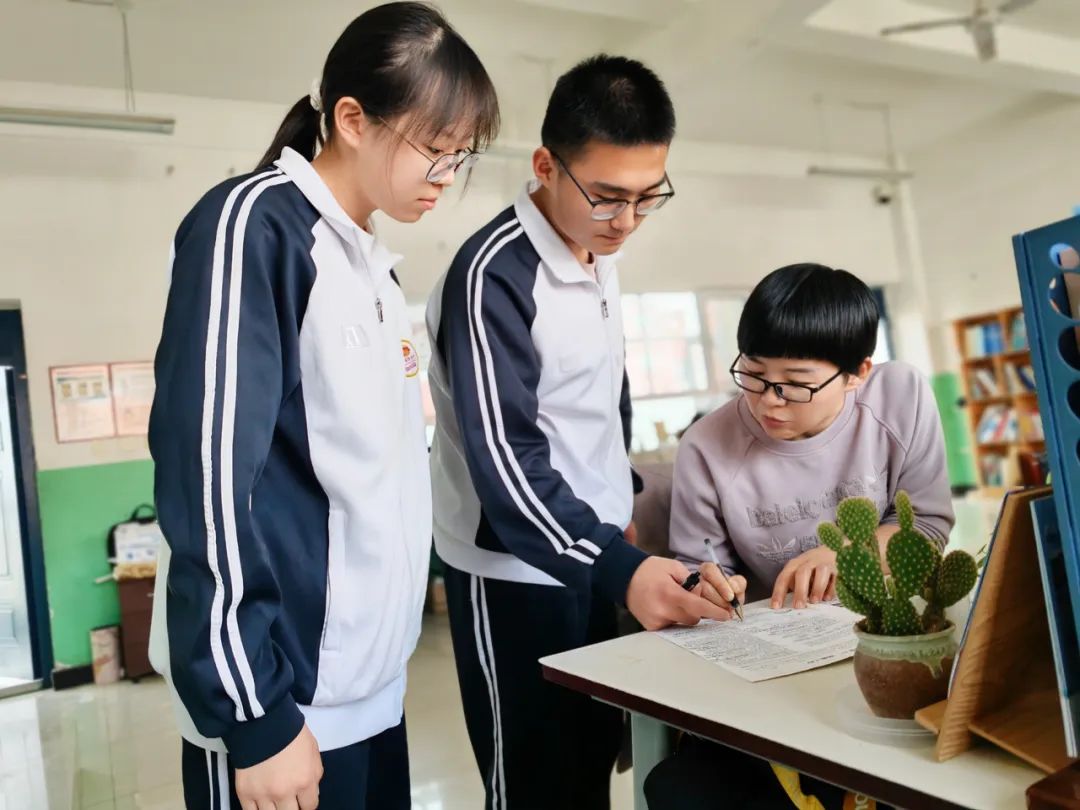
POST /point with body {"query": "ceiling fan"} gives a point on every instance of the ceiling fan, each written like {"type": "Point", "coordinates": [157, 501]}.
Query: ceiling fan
{"type": "Point", "coordinates": [981, 24]}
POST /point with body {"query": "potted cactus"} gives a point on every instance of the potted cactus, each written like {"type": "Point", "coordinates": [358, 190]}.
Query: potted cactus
{"type": "Point", "coordinates": [904, 657]}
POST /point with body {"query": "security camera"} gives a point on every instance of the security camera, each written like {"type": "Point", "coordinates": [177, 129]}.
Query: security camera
{"type": "Point", "coordinates": [884, 193]}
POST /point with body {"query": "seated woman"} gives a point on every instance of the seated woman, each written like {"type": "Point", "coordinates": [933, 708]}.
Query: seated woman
{"type": "Point", "coordinates": [815, 423]}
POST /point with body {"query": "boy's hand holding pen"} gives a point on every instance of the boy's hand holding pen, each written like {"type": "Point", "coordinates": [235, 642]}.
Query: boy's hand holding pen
{"type": "Point", "coordinates": [720, 589]}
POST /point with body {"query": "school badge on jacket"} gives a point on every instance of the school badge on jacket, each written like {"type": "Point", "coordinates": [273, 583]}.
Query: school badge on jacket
{"type": "Point", "coordinates": [412, 360]}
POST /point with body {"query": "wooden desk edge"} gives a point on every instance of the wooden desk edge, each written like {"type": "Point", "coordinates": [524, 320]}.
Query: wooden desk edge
{"type": "Point", "coordinates": [859, 781]}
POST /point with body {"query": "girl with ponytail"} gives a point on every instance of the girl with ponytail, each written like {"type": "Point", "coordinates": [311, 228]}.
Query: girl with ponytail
{"type": "Point", "coordinates": [291, 471]}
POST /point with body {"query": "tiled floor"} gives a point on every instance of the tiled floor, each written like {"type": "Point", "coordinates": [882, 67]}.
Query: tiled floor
{"type": "Point", "coordinates": [116, 748]}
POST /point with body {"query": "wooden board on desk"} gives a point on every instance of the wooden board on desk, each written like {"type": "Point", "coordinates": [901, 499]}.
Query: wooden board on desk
{"type": "Point", "coordinates": [1005, 688]}
{"type": "Point", "coordinates": [1021, 728]}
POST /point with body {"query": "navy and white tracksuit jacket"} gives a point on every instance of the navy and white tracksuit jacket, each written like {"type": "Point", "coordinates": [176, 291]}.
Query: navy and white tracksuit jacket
{"type": "Point", "coordinates": [292, 479]}
{"type": "Point", "coordinates": [531, 479]}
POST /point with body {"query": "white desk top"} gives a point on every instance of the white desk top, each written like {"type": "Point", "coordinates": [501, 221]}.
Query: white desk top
{"type": "Point", "coordinates": [798, 712]}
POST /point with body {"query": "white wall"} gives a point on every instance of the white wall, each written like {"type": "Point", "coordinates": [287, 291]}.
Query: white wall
{"type": "Point", "coordinates": [738, 213]}
{"type": "Point", "coordinates": [730, 230]}
{"type": "Point", "coordinates": [86, 220]}
{"type": "Point", "coordinates": [975, 191]}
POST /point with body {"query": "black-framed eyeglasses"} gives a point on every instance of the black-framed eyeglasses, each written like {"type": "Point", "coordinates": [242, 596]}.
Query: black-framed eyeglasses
{"type": "Point", "coordinates": [789, 392]}
{"type": "Point", "coordinates": [606, 210]}
{"type": "Point", "coordinates": [443, 165]}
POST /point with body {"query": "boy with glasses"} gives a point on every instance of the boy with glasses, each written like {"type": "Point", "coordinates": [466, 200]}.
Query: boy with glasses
{"type": "Point", "coordinates": [532, 484]}
{"type": "Point", "coordinates": [815, 423]}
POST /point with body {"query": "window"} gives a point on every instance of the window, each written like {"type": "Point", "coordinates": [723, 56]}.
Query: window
{"type": "Point", "coordinates": [883, 352]}
{"type": "Point", "coordinates": [722, 312]}
{"type": "Point", "coordinates": [665, 351]}
{"type": "Point", "coordinates": [679, 346]}
{"type": "Point", "coordinates": [678, 349]}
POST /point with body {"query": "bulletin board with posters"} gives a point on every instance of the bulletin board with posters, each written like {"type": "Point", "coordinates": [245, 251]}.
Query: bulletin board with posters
{"type": "Point", "coordinates": [133, 395]}
{"type": "Point", "coordinates": [82, 402]}
{"type": "Point", "coordinates": [101, 400]}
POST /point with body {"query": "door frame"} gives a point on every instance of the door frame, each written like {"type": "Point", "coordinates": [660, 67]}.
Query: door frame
{"type": "Point", "coordinates": [13, 353]}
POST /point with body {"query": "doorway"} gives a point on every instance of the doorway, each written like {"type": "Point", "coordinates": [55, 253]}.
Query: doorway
{"type": "Point", "coordinates": [25, 642]}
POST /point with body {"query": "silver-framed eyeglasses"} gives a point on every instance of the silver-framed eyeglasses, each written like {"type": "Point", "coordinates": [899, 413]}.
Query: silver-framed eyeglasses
{"type": "Point", "coordinates": [444, 165]}
{"type": "Point", "coordinates": [605, 210]}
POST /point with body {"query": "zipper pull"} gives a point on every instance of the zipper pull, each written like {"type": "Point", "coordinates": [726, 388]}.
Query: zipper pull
{"type": "Point", "coordinates": [378, 309]}
{"type": "Point", "coordinates": [603, 307]}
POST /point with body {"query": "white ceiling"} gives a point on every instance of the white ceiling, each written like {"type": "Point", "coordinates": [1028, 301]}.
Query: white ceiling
{"type": "Point", "coordinates": [744, 71]}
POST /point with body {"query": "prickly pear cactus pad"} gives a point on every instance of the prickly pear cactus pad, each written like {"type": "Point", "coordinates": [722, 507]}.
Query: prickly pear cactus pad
{"type": "Point", "coordinates": [860, 571]}
{"type": "Point", "coordinates": [830, 536]}
{"type": "Point", "coordinates": [956, 578]}
{"type": "Point", "coordinates": [881, 590]}
{"type": "Point", "coordinates": [858, 519]}
{"type": "Point", "coordinates": [911, 560]}
{"type": "Point", "coordinates": [899, 618]}
{"type": "Point", "coordinates": [856, 604]}
{"type": "Point", "coordinates": [905, 514]}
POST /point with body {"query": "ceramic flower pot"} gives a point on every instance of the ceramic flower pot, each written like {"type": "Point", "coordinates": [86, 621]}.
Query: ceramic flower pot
{"type": "Point", "coordinates": [899, 675]}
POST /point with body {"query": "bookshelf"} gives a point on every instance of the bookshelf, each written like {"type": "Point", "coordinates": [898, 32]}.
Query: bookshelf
{"type": "Point", "coordinates": [999, 388]}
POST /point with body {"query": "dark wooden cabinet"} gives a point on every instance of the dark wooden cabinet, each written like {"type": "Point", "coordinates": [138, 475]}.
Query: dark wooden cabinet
{"type": "Point", "coordinates": [136, 603]}
{"type": "Point", "coordinates": [1061, 791]}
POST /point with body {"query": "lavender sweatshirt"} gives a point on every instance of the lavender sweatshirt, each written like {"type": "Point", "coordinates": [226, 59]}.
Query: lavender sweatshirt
{"type": "Point", "coordinates": [761, 499]}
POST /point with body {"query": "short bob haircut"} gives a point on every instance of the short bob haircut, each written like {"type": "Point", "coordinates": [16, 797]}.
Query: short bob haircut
{"type": "Point", "coordinates": [810, 312]}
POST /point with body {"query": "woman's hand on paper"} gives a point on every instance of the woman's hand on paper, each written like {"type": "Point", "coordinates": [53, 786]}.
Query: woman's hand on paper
{"type": "Point", "coordinates": [810, 578]}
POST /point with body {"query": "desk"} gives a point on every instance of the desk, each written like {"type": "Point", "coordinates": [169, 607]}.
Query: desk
{"type": "Point", "coordinates": [790, 720]}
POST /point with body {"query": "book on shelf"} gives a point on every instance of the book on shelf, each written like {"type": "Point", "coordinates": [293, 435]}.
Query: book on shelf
{"type": "Point", "coordinates": [1018, 333]}
{"type": "Point", "coordinates": [994, 337]}
{"type": "Point", "coordinates": [973, 341]}
{"type": "Point", "coordinates": [984, 384]}
{"type": "Point", "coordinates": [1030, 425]}
{"type": "Point", "coordinates": [1013, 383]}
{"type": "Point", "coordinates": [1019, 378]}
{"type": "Point", "coordinates": [998, 424]}
{"type": "Point", "coordinates": [984, 339]}
{"type": "Point", "coordinates": [1027, 376]}
{"type": "Point", "coordinates": [1034, 468]}
{"type": "Point", "coordinates": [992, 468]}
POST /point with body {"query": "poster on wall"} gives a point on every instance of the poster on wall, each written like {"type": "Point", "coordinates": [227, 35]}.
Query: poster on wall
{"type": "Point", "coordinates": [133, 394]}
{"type": "Point", "coordinates": [82, 403]}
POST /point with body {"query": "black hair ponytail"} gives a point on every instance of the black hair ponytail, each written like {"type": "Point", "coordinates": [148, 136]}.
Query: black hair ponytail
{"type": "Point", "coordinates": [397, 59]}
{"type": "Point", "coordinates": [299, 131]}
